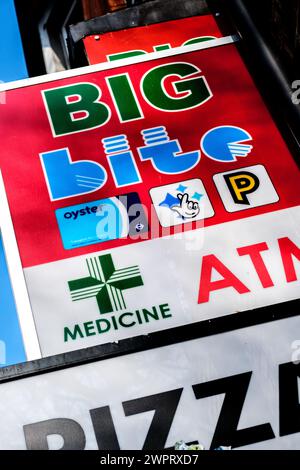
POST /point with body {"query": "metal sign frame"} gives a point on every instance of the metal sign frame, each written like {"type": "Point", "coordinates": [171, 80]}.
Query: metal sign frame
{"type": "Point", "coordinates": [146, 13]}
{"type": "Point", "coordinates": [154, 340]}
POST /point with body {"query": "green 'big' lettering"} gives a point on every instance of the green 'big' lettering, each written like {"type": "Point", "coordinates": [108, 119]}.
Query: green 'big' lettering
{"type": "Point", "coordinates": [77, 108]}
{"type": "Point", "coordinates": [199, 39]}
{"type": "Point", "coordinates": [125, 99]}
{"type": "Point", "coordinates": [62, 110]}
{"type": "Point", "coordinates": [197, 87]}
{"type": "Point", "coordinates": [125, 55]}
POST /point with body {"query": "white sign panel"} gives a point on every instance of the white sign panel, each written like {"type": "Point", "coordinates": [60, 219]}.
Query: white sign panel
{"type": "Point", "coordinates": [238, 389]}
{"type": "Point", "coordinates": [198, 275]}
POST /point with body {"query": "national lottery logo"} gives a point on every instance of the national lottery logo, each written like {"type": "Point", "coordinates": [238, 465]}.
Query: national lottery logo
{"type": "Point", "coordinates": [181, 203]}
{"type": "Point", "coordinates": [186, 207]}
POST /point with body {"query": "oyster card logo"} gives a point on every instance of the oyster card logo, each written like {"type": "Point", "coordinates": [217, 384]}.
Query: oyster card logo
{"type": "Point", "coordinates": [108, 284]}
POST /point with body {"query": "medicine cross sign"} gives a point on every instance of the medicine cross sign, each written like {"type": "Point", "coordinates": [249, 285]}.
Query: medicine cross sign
{"type": "Point", "coordinates": [149, 193]}
{"type": "Point", "coordinates": [105, 283]}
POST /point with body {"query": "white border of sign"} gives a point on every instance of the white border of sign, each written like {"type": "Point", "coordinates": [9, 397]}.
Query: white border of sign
{"type": "Point", "coordinates": [27, 325]}
{"type": "Point", "coordinates": [118, 63]}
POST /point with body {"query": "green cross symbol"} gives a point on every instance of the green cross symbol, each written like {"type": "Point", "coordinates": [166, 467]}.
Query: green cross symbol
{"type": "Point", "coordinates": [106, 283]}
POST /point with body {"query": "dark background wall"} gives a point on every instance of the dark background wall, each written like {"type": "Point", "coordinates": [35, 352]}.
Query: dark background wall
{"type": "Point", "coordinates": [278, 20]}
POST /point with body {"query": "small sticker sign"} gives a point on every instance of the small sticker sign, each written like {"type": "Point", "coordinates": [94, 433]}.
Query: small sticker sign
{"type": "Point", "coordinates": [101, 221]}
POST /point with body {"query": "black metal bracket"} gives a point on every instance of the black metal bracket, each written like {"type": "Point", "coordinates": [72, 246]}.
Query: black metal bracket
{"type": "Point", "coordinates": [140, 15]}
{"type": "Point", "coordinates": [270, 76]}
{"type": "Point", "coordinates": [155, 340]}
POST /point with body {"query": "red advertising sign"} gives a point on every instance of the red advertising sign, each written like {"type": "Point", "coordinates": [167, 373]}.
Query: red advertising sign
{"type": "Point", "coordinates": [151, 38]}
{"type": "Point", "coordinates": [148, 195]}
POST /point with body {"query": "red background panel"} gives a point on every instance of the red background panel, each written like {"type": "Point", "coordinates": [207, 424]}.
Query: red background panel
{"type": "Point", "coordinates": [25, 132]}
{"type": "Point", "coordinates": [145, 38]}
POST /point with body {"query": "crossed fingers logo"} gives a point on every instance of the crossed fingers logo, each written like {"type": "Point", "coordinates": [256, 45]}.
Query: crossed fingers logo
{"type": "Point", "coordinates": [187, 209]}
